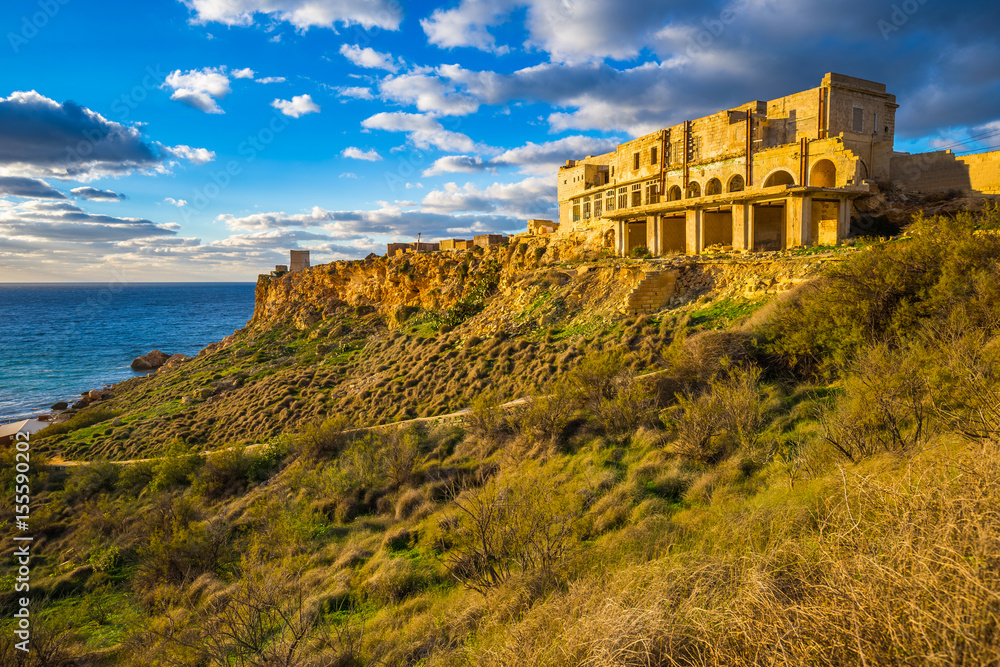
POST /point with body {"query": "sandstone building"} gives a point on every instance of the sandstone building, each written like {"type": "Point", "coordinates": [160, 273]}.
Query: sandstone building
{"type": "Point", "coordinates": [761, 176]}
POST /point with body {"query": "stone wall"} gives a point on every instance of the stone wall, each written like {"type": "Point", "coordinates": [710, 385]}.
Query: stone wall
{"type": "Point", "coordinates": [941, 171]}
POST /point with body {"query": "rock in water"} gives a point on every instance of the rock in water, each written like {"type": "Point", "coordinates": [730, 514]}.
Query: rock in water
{"type": "Point", "coordinates": [151, 361]}
{"type": "Point", "coordinates": [61, 405]}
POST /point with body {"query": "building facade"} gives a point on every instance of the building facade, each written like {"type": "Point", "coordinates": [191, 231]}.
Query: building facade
{"type": "Point", "coordinates": [762, 176]}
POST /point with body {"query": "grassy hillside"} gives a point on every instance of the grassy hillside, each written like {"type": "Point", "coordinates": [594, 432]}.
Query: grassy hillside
{"type": "Point", "coordinates": [810, 480]}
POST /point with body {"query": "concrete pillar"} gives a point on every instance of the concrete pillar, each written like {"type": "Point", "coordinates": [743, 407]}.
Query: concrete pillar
{"type": "Point", "coordinates": [750, 227]}
{"type": "Point", "coordinates": [653, 235]}
{"type": "Point", "coordinates": [844, 220]}
{"type": "Point", "coordinates": [740, 215]}
{"type": "Point", "coordinates": [694, 235]}
{"type": "Point", "coordinates": [620, 240]}
{"type": "Point", "coordinates": [796, 221]}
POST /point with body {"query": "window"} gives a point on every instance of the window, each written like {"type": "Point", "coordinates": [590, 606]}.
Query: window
{"type": "Point", "coordinates": [635, 161]}
{"type": "Point", "coordinates": [859, 119]}
{"type": "Point", "coordinates": [598, 201]}
{"type": "Point", "coordinates": [609, 200]}
{"type": "Point", "coordinates": [653, 155]}
{"type": "Point", "coordinates": [586, 208]}
{"type": "Point", "coordinates": [576, 211]}
{"type": "Point", "coordinates": [637, 194]}
{"type": "Point", "coordinates": [652, 192]}
{"type": "Point", "coordinates": [622, 197]}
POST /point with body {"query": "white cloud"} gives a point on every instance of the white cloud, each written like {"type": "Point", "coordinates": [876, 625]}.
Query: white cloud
{"type": "Point", "coordinates": [356, 92]}
{"type": "Point", "coordinates": [577, 31]}
{"type": "Point", "coordinates": [532, 197]}
{"type": "Point", "coordinates": [358, 154]}
{"type": "Point", "coordinates": [176, 202]}
{"type": "Point", "coordinates": [466, 25]}
{"type": "Point", "coordinates": [200, 89]}
{"type": "Point", "coordinates": [546, 158]}
{"type": "Point", "coordinates": [303, 14]}
{"type": "Point", "coordinates": [369, 58]}
{"type": "Point", "coordinates": [423, 131]}
{"type": "Point", "coordinates": [245, 73]}
{"type": "Point", "coordinates": [193, 155]}
{"type": "Point", "coordinates": [348, 174]}
{"type": "Point", "coordinates": [299, 106]}
{"type": "Point", "coordinates": [429, 93]}
{"type": "Point", "coordinates": [271, 79]}
{"type": "Point", "coordinates": [451, 164]}
{"type": "Point", "coordinates": [96, 194]}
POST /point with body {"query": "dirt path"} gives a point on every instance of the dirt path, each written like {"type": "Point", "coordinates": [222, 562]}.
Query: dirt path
{"type": "Point", "coordinates": [59, 462]}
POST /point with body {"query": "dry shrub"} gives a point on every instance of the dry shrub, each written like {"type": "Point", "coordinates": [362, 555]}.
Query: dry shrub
{"type": "Point", "coordinates": [897, 572]}
{"type": "Point", "coordinates": [408, 502]}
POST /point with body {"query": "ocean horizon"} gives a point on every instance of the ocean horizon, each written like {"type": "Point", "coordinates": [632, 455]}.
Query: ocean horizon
{"type": "Point", "coordinates": [59, 340]}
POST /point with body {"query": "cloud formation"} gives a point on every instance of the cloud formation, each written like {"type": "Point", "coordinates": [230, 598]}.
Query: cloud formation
{"type": "Point", "coordinates": [297, 107]}
{"type": "Point", "coordinates": [200, 88]}
{"type": "Point", "coordinates": [95, 194]}
{"type": "Point", "coordinates": [369, 58]}
{"type": "Point", "coordinates": [42, 138]}
{"type": "Point", "coordinates": [358, 154]}
{"type": "Point", "coordinates": [423, 131]}
{"type": "Point", "coordinates": [19, 186]}
{"type": "Point", "coordinates": [303, 14]}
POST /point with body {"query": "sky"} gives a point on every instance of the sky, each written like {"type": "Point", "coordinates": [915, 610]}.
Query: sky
{"type": "Point", "coordinates": [200, 140]}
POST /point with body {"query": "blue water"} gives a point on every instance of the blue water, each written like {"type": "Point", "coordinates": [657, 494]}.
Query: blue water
{"type": "Point", "coordinates": [58, 340]}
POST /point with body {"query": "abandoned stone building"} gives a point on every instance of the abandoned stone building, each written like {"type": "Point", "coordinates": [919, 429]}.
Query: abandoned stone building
{"type": "Point", "coordinates": [762, 176]}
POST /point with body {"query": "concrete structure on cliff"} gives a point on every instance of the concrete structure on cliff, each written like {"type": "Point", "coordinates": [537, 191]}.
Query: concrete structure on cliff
{"type": "Point", "coordinates": [761, 176]}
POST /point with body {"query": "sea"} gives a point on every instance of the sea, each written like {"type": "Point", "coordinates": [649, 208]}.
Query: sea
{"type": "Point", "coordinates": [59, 340]}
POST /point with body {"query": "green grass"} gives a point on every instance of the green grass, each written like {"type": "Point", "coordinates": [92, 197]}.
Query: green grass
{"type": "Point", "coordinates": [724, 312]}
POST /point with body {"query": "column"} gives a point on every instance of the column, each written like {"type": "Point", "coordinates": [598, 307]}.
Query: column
{"type": "Point", "coordinates": [844, 220]}
{"type": "Point", "coordinates": [693, 232]}
{"type": "Point", "coordinates": [740, 241]}
{"type": "Point", "coordinates": [653, 235]}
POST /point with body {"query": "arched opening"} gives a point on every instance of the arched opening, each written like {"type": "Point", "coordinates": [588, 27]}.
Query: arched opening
{"type": "Point", "coordinates": [736, 183]}
{"type": "Point", "coordinates": [823, 175]}
{"type": "Point", "coordinates": [862, 170]}
{"type": "Point", "coordinates": [780, 177]}
{"type": "Point", "coordinates": [609, 238]}
{"type": "Point", "coordinates": [694, 190]}
{"type": "Point", "coordinates": [713, 187]}
{"type": "Point", "coordinates": [674, 193]}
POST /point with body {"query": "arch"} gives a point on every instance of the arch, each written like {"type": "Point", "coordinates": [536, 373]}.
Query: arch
{"type": "Point", "coordinates": [694, 190]}
{"type": "Point", "coordinates": [823, 174]}
{"type": "Point", "coordinates": [713, 187]}
{"type": "Point", "coordinates": [736, 183]}
{"type": "Point", "coordinates": [674, 193]}
{"type": "Point", "coordinates": [779, 177]}
{"type": "Point", "coordinates": [609, 238]}
{"type": "Point", "coordinates": [862, 170]}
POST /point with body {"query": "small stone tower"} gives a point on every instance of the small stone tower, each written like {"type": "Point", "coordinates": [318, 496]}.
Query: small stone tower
{"type": "Point", "coordinates": [300, 260]}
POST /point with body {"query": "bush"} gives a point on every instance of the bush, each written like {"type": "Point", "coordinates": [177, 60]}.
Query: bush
{"type": "Point", "coordinates": [324, 440]}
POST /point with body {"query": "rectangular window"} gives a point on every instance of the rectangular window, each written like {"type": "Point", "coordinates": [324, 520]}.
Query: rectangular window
{"type": "Point", "coordinates": [576, 211]}
{"type": "Point", "coordinates": [859, 119]}
{"type": "Point", "coordinates": [609, 200]}
{"type": "Point", "coordinates": [622, 197]}
{"type": "Point", "coordinates": [653, 155]}
{"type": "Point", "coordinates": [637, 194]}
{"type": "Point", "coordinates": [652, 192]}
{"type": "Point", "coordinates": [598, 202]}
{"type": "Point", "coordinates": [635, 161]}
{"type": "Point", "coordinates": [586, 209]}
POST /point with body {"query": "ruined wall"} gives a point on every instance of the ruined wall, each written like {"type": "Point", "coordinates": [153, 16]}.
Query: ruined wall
{"type": "Point", "coordinates": [941, 171]}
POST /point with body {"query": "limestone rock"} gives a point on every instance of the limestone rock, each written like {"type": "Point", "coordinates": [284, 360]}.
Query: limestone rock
{"type": "Point", "coordinates": [175, 360]}
{"type": "Point", "coordinates": [61, 405]}
{"type": "Point", "coordinates": [151, 361]}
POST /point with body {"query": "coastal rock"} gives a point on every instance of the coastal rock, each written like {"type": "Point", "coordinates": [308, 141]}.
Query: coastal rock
{"type": "Point", "coordinates": [176, 360]}
{"type": "Point", "coordinates": [151, 361]}
{"type": "Point", "coordinates": [79, 405]}
{"type": "Point", "coordinates": [61, 405]}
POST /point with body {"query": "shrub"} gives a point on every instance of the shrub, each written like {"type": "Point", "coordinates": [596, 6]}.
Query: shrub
{"type": "Point", "coordinates": [324, 440]}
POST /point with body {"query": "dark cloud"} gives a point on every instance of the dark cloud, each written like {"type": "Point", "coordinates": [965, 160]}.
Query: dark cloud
{"type": "Point", "coordinates": [62, 221]}
{"type": "Point", "coordinates": [97, 195]}
{"type": "Point", "coordinates": [19, 186]}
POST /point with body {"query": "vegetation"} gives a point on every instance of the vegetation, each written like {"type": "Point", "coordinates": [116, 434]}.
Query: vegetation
{"type": "Point", "coordinates": [817, 486]}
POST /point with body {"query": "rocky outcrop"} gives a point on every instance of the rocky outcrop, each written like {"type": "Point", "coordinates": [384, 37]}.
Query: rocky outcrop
{"type": "Point", "coordinates": [150, 361]}
{"type": "Point", "coordinates": [174, 361]}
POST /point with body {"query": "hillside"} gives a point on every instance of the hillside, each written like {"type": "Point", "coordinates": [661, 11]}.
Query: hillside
{"type": "Point", "coordinates": [793, 459]}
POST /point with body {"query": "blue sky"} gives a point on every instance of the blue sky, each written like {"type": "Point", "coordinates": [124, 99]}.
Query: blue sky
{"type": "Point", "coordinates": [202, 139]}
